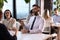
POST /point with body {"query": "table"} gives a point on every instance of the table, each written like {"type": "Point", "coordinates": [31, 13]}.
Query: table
{"type": "Point", "coordinates": [39, 36]}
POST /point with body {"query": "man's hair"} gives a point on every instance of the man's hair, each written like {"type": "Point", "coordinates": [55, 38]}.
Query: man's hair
{"type": "Point", "coordinates": [36, 5]}
{"type": "Point", "coordinates": [55, 9]}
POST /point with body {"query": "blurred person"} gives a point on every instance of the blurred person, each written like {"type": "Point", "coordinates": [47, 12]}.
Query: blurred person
{"type": "Point", "coordinates": [10, 22]}
{"type": "Point", "coordinates": [21, 25]}
{"type": "Point", "coordinates": [35, 24]}
{"type": "Point", "coordinates": [56, 16]}
{"type": "Point", "coordinates": [4, 34]}
{"type": "Point", "coordinates": [48, 22]}
{"type": "Point", "coordinates": [56, 19]}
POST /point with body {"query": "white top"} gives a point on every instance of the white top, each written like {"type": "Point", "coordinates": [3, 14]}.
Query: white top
{"type": "Point", "coordinates": [38, 25]}
{"type": "Point", "coordinates": [47, 24]}
{"type": "Point", "coordinates": [10, 23]}
{"type": "Point", "coordinates": [56, 18]}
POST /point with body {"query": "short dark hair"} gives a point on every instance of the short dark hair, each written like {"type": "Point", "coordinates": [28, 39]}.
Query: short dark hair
{"type": "Point", "coordinates": [55, 9]}
{"type": "Point", "coordinates": [35, 5]}
{"type": "Point", "coordinates": [5, 12]}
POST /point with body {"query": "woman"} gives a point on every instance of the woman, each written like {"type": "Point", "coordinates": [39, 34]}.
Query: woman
{"type": "Point", "coordinates": [48, 22]}
{"type": "Point", "coordinates": [1, 16]}
{"type": "Point", "coordinates": [9, 22]}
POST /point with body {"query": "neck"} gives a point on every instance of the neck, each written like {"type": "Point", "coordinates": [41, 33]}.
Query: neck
{"type": "Point", "coordinates": [8, 18]}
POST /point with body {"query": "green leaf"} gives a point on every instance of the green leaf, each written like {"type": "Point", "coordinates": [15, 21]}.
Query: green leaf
{"type": "Point", "coordinates": [1, 5]}
{"type": "Point", "coordinates": [27, 1]}
{"type": "Point", "coordinates": [6, 1]}
{"type": "Point", "coordinates": [56, 0]}
{"type": "Point", "coordinates": [55, 3]}
{"type": "Point", "coordinates": [1, 1]}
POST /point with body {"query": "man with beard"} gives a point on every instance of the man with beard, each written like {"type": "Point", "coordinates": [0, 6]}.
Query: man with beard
{"type": "Point", "coordinates": [35, 24]}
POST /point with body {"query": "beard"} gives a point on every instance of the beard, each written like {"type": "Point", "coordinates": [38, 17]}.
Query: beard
{"type": "Point", "coordinates": [36, 13]}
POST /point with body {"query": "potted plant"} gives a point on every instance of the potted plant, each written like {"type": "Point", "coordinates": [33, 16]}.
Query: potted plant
{"type": "Point", "coordinates": [57, 4]}
{"type": "Point", "coordinates": [27, 1]}
{"type": "Point", "coordinates": [2, 3]}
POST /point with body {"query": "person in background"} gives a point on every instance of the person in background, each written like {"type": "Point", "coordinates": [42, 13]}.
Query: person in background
{"type": "Point", "coordinates": [1, 16]}
{"type": "Point", "coordinates": [35, 24]}
{"type": "Point", "coordinates": [32, 11]}
{"type": "Point", "coordinates": [56, 19]}
{"type": "Point", "coordinates": [21, 25]}
{"type": "Point", "coordinates": [4, 34]}
{"type": "Point", "coordinates": [48, 21]}
{"type": "Point", "coordinates": [56, 16]}
{"type": "Point", "coordinates": [48, 24]}
{"type": "Point", "coordinates": [9, 22]}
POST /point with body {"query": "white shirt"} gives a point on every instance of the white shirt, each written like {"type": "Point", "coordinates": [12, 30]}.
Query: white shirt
{"type": "Point", "coordinates": [47, 24]}
{"type": "Point", "coordinates": [38, 25]}
{"type": "Point", "coordinates": [56, 18]}
{"type": "Point", "coordinates": [10, 23]}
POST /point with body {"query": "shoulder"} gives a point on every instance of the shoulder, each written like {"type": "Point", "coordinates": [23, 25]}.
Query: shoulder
{"type": "Point", "coordinates": [4, 20]}
{"type": "Point", "coordinates": [32, 17]}
{"type": "Point", "coordinates": [13, 19]}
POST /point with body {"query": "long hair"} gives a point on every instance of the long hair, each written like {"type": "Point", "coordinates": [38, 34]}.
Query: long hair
{"type": "Point", "coordinates": [46, 14]}
{"type": "Point", "coordinates": [5, 12]}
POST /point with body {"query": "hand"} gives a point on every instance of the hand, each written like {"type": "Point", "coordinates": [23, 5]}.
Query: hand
{"type": "Point", "coordinates": [14, 29]}
{"type": "Point", "coordinates": [24, 31]}
{"type": "Point", "coordinates": [9, 28]}
{"type": "Point", "coordinates": [22, 23]}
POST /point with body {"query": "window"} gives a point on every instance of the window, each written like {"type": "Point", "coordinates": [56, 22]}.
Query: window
{"type": "Point", "coordinates": [32, 2]}
{"type": "Point", "coordinates": [8, 5]}
{"type": "Point", "coordinates": [23, 8]}
{"type": "Point", "coordinates": [54, 6]}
